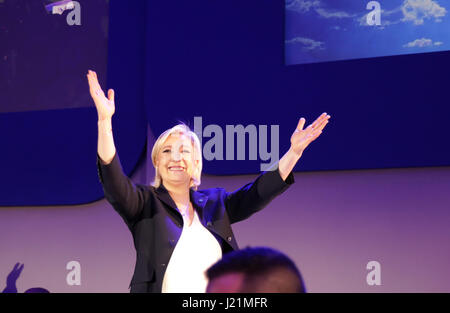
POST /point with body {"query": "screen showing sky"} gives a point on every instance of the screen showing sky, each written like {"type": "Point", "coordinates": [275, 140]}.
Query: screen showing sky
{"type": "Point", "coordinates": [331, 30]}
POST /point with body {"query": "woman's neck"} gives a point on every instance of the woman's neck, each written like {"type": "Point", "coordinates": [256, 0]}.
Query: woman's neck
{"type": "Point", "coordinates": [180, 193]}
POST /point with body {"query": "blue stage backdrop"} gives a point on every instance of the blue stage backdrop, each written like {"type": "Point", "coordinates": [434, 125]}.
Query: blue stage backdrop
{"type": "Point", "coordinates": [223, 63]}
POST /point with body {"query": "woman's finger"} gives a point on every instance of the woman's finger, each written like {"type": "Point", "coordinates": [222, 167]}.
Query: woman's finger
{"type": "Point", "coordinates": [300, 124]}
{"type": "Point", "coordinates": [92, 82]}
{"type": "Point", "coordinates": [96, 89]}
{"type": "Point", "coordinates": [322, 125]}
{"type": "Point", "coordinates": [89, 79]}
{"type": "Point", "coordinates": [319, 120]}
{"type": "Point", "coordinates": [111, 95]}
{"type": "Point", "coordinates": [93, 79]}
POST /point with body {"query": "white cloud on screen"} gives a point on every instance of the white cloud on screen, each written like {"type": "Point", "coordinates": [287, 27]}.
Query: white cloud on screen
{"type": "Point", "coordinates": [422, 43]}
{"type": "Point", "coordinates": [307, 43]}
{"type": "Point", "coordinates": [336, 14]}
{"type": "Point", "coordinates": [304, 6]}
{"type": "Point", "coordinates": [384, 18]}
{"type": "Point", "coordinates": [417, 11]}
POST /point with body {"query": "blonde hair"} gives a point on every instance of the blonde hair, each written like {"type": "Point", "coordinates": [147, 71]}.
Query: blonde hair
{"type": "Point", "coordinates": [181, 129]}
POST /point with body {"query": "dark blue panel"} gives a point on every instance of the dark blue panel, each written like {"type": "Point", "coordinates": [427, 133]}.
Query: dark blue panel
{"type": "Point", "coordinates": [224, 60]}
{"type": "Point", "coordinates": [49, 156]}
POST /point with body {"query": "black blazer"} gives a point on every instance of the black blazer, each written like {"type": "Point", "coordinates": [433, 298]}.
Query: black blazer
{"type": "Point", "coordinates": [156, 225]}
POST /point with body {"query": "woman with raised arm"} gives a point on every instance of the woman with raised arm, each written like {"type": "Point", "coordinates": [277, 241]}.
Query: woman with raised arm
{"type": "Point", "coordinates": [178, 230]}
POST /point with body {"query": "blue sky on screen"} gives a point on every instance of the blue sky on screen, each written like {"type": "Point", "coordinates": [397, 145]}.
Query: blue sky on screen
{"type": "Point", "coordinates": [330, 30]}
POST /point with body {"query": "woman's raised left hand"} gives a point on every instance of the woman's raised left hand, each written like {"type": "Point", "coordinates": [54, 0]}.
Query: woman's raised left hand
{"type": "Point", "coordinates": [301, 138]}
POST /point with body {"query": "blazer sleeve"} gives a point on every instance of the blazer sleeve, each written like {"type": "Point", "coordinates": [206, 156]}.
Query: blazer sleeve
{"type": "Point", "coordinates": [254, 196]}
{"type": "Point", "coordinates": [126, 197]}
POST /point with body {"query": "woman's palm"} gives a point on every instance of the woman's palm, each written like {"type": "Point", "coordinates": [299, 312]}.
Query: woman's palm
{"type": "Point", "coordinates": [105, 106]}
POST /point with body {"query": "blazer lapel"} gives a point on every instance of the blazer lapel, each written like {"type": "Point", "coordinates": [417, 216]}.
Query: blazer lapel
{"type": "Point", "coordinates": [165, 197]}
{"type": "Point", "coordinates": [199, 200]}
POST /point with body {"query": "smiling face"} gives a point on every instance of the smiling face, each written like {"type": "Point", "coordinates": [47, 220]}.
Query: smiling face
{"type": "Point", "coordinates": [175, 160]}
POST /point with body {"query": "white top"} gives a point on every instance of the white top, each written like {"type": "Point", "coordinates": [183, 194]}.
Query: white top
{"type": "Point", "coordinates": [195, 252]}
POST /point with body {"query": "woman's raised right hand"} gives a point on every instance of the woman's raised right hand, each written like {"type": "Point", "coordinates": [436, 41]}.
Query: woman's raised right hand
{"type": "Point", "coordinates": [105, 106]}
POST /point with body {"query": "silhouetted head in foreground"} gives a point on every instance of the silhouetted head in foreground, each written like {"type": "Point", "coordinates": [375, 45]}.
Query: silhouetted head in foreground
{"type": "Point", "coordinates": [37, 290]}
{"type": "Point", "coordinates": [255, 270]}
